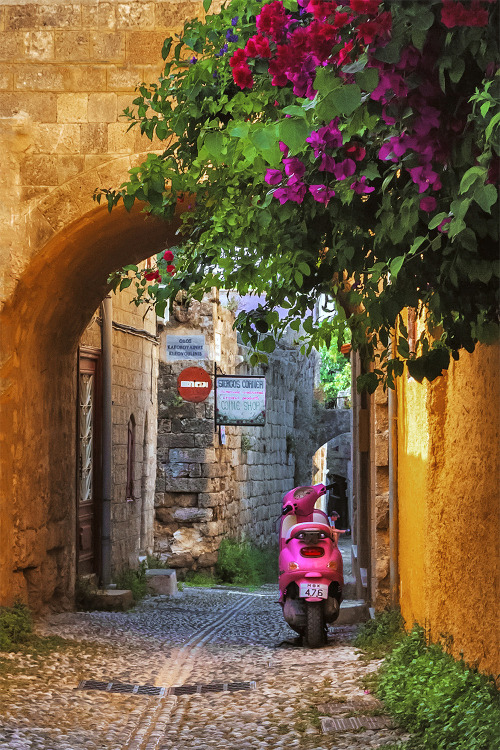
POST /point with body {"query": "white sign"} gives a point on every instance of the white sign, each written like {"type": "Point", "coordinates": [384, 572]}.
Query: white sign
{"type": "Point", "coordinates": [185, 347]}
{"type": "Point", "coordinates": [240, 400]}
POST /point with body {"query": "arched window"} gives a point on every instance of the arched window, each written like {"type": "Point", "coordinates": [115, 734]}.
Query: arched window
{"type": "Point", "coordinates": [130, 458]}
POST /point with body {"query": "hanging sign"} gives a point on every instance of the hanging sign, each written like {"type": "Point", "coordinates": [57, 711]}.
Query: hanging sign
{"type": "Point", "coordinates": [185, 347]}
{"type": "Point", "coordinates": [240, 400]}
{"type": "Point", "coordinates": [194, 384]}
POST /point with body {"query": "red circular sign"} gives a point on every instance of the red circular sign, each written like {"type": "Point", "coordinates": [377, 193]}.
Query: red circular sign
{"type": "Point", "coordinates": [194, 384]}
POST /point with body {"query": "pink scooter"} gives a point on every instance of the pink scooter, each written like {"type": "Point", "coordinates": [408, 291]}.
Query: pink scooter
{"type": "Point", "coordinates": [310, 565]}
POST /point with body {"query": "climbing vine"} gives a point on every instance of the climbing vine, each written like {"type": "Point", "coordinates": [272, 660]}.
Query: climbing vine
{"type": "Point", "coordinates": [341, 148]}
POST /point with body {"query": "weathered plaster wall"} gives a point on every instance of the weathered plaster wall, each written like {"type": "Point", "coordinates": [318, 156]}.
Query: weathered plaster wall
{"type": "Point", "coordinates": [449, 505]}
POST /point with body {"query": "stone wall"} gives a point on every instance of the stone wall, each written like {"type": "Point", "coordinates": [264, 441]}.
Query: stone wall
{"type": "Point", "coordinates": [207, 490]}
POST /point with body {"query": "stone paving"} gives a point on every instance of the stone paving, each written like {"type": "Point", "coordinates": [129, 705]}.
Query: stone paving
{"type": "Point", "coordinates": [202, 636]}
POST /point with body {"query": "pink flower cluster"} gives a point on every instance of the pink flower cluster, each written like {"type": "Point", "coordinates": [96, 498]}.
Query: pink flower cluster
{"type": "Point", "coordinates": [327, 37]}
{"type": "Point", "coordinates": [154, 274]}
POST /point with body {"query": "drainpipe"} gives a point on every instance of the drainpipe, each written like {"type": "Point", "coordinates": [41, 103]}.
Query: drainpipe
{"type": "Point", "coordinates": [393, 497]}
{"type": "Point", "coordinates": [107, 332]}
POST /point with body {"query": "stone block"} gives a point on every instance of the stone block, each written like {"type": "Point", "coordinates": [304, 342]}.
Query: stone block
{"type": "Point", "coordinates": [180, 560]}
{"type": "Point", "coordinates": [121, 141]}
{"type": "Point", "coordinates": [208, 499]}
{"type": "Point", "coordinates": [99, 16]}
{"type": "Point", "coordinates": [107, 46]}
{"type": "Point", "coordinates": [207, 560]}
{"type": "Point", "coordinates": [38, 45]}
{"type": "Point", "coordinates": [382, 449]}
{"type": "Point", "coordinates": [72, 46]}
{"type": "Point", "coordinates": [54, 138]}
{"type": "Point", "coordinates": [185, 485]}
{"type": "Point", "coordinates": [39, 169]}
{"type": "Point", "coordinates": [135, 15]}
{"type": "Point", "coordinates": [192, 455]}
{"type": "Point", "coordinates": [94, 139]}
{"type": "Point", "coordinates": [124, 78]}
{"type": "Point", "coordinates": [83, 78]}
{"type": "Point", "coordinates": [112, 600]}
{"type": "Point", "coordinates": [166, 442]}
{"type": "Point", "coordinates": [68, 167]}
{"type": "Point", "coordinates": [162, 581]}
{"type": "Point", "coordinates": [72, 108]}
{"type": "Point", "coordinates": [204, 441]}
{"type": "Point", "coordinates": [40, 106]}
{"type": "Point", "coordinates": [39, 78]}
{"type": "Point", "coordinates": [144, 47]}
{"type": "Point", "coordinates": [102, 108]}
{"type": "Point", "coordinates": [192, 515]}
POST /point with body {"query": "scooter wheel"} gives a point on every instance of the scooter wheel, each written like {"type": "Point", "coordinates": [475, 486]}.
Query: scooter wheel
{"type": "Point", "coordinates": [315, 625]}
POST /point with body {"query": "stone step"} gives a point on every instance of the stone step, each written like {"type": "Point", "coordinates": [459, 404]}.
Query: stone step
{"type": "Point", "coordinates": [112, 600]}
{"type": "Point", "coordinates": [352, 611]}
{"type": "Point", "coordinates": [162, 581]}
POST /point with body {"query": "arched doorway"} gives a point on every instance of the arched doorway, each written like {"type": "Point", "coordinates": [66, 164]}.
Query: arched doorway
{"type": "Point", "coordinates": [40, 325]}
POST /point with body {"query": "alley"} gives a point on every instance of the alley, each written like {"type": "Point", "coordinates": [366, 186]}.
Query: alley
{"type": "Point", "coordinates": [254, 689]}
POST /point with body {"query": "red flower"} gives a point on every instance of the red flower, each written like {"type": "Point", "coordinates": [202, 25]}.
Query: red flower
{"type": "Point", "coordinates": [272, 20]}
{"type": "Point", "coordinates": [168, 255]}
{"type": "Point", "coordinates": [369, 7]}
{"type": "Point", "coordinates": [171, 270]}
{"type": "Point", "coordinates": [356, 150]}
{"type": "Point", "coordinates": [153, 275]}
{"type": "Point", "coordinates": [258, 46]}
{"type": "Point", "coordinates": [238, 58]}
{"type": "Point", "coordinates": [321, 9]}
{"type": "Point", "coordinates": [378, 29]}
{"type": "Point", "coordinates": [455, 14]}
{"type": "Point", "coordinates": [428, 204]}
{"type": "Point", "coordinates": [243, 76]}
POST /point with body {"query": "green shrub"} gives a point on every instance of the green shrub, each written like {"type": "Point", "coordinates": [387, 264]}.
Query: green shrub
{"type": "Point", "coordinates": [446, 704]}
{"type": "Point", "coordinates": [379, 636]}
{"type": "Point", "coordinates": [134, 580]}
{"type": "Point", "coordinates": [199, 578]}
{"type": "Point", "coordinates": [16, 626]}
{"type": "Point", "coordinates": [245, 564]}
{"type": "Point", "coordinates": [154, 562]}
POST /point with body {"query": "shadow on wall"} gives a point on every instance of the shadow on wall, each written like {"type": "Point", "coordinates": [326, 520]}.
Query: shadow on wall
{"type": "Point", "coordinates": [40, 329]}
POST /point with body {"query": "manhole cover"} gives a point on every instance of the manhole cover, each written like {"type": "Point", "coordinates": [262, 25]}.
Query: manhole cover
{"type": "Point", "coordinates": [125, 687]}
{"type": "Point", "coordinates": [348, 724]}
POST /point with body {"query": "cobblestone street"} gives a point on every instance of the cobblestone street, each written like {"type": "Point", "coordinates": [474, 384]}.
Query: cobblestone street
{"type": "Point", "coordinates": [201, 637]}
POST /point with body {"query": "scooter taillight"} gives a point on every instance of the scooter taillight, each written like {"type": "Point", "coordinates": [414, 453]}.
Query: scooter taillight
{"type": "Point", "coordinates": [312, 552]}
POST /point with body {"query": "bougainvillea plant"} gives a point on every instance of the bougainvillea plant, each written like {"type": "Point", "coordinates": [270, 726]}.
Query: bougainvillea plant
{"type": "Point", "coordinates": [348, 149]}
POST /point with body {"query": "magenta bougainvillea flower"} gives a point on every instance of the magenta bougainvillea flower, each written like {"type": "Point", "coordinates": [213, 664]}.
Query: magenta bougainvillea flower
{"type": "Point", "coordinates": [321, 193]}
{"type": "Point", "coordinates": [273, 177]}
{"type": "Point", "coordinates": [360, 187]}
{"type": "Point", "coordinates": [428, 203]}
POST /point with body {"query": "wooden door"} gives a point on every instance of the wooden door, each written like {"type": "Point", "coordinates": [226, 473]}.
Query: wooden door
{"type": "Point", "coordinates": [88, 461]}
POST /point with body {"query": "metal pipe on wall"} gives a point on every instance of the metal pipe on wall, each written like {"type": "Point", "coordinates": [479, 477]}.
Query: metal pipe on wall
{"type": "Point", "coordinates": [107, 346]}
{"type": "Point", "coordinates": [393, 498]}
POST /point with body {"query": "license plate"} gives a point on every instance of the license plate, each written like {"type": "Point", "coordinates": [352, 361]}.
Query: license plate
{"type": "Point", "coordinates": [318, 590]}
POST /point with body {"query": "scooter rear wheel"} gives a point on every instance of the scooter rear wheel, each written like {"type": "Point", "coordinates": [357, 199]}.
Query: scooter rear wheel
{"type": "Point", "coordinates": [315, 625]}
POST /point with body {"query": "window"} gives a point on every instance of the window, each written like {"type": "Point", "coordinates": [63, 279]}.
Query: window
{"type": "Point", "coordinates": [130, 458]}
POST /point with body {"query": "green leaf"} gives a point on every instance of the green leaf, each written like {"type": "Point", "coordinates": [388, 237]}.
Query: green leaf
{"type": "Point", "coordinates": [457, 70]}
{"type": "Point", "coordinates": [346, 99]}
{"type": "Point", "coordinates": [486, 196]}
{"type": "Point", "coordinates": [294, 109]}
{"type": "Point", "coordinates": [367, 79]}
{"type": "Point", "coordinates": [125, 283]}
{"type": "Point", "coordinates": [167, 44]}
{"type": "Point", "coordinates": [130, 267]}
{"type": "Point", "coordinates": [326, 81]}
{"type": "Point", "coordinates": [213, 143]}
{"type": "Point", "coordinates": [206, 5]}
{"type": "Point", "coordinates": [436, 220]}
{"type": "Point", "coordinates": [299, 279]}
{"type": "Point", "coordinates": [470, 177]}
{"type": "Point", "coordinates": [304, 269]}
{"type": "Point", "coordinates": [293, 133]}
{"type": "Point", "coordinates": [417, 243]}
{"type": "Point", "coordinates": [395, 266]}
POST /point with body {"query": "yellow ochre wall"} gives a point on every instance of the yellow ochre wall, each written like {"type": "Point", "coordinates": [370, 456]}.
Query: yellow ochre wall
{"type": "Point", "coordinates": [449, 506]}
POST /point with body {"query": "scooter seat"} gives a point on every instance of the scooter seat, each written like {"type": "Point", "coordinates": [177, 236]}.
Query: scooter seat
{"type": "Point", "coordinates": [329, 531]}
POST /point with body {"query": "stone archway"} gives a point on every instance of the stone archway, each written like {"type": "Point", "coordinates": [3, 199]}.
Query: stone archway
{"type": "Point", "coordinates": [63, 281]}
